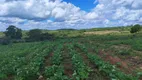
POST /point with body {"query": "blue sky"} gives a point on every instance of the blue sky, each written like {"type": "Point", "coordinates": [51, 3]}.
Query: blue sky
{"type": "Point", "coordinates": [86, 5]}
{"type": "Point", "coordinates": [77, 14]}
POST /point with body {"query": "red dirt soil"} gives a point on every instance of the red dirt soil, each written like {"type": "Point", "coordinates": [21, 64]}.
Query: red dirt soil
{"type": "Point", "coordinates": [46, 63]}
{"type": "Point", "coordinates": [67, 62]}
{"type": "Point", "coordinates": [115, 61]}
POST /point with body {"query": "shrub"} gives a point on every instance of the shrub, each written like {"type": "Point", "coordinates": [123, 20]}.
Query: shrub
{"type": "Point", "coordinates": [5, 41]}
{"type": "Point", "coordinates": [135, 28]}
{"type": "Point", "coordinates": [34, 34]}
{"type": "Point", "coordinates": [46, 36]}
{"type": "Point", "coordinates": [18, 41]}
{"type": "Point", "coordinates": [37, 35]}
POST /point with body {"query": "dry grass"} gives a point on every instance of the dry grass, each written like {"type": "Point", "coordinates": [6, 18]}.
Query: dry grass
{"type": "Point", "coordinates": [104, 32]}
{"type": "Point", "coordinates": [121, 46]}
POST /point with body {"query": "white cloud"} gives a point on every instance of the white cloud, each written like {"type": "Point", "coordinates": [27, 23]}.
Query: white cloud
{"type": "Point", "coordinates": [58, 13]}
{"type": "Point", "coordinates": [53, 14]}
{"type": "Point", "coordinates": [91, 15]}
{"type": "Point", "coordinates": [39, 10]}
{"type": "Point", "coordinates": [120, 13]}
{"type": "Point", "coordinates": [137, 4]}
{"type": "Point", "coordinates": [129, 11]}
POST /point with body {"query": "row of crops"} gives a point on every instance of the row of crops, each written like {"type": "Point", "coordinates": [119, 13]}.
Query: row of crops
{"type": "Point", "coordinates": [111, 70]}
{"type": "Point", "coordinates": [23, 63]}
{"type": "Point", "coordinates": [28, 62]}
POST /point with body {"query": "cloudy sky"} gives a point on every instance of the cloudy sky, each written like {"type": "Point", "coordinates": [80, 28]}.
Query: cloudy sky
{"type": "Point", "coordinates": [78, 14]}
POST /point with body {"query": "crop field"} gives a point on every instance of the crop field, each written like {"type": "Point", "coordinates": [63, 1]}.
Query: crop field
{"type": "Point", "coordinates": [85, 57]}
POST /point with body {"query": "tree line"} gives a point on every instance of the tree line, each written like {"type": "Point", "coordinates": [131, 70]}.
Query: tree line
{"type": "Point", "coordinates": [14, 34]}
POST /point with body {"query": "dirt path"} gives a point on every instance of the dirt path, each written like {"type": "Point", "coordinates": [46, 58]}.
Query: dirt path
{"type": "Point", "coordinates": [67, 62]}
{"type": "Point", "coordinates": [47, 62]}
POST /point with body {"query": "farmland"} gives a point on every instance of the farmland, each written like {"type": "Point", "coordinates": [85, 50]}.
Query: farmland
{"type": "Point", "coordinates": [104, 54]}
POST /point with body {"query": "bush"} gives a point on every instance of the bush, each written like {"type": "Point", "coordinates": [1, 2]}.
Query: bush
{"type": "Point", "coordinates": [5, 41]}
{"type": "Point", "coordinates": [18, 41]}
{"type": "Point", "coordinates": [34, 34]}
{"type": "Point", "coordinates": [135, 28]}
{"type": "Point", "coordinates": [46, 36]}
{"type": "Point", "coordinates": [37, 35]}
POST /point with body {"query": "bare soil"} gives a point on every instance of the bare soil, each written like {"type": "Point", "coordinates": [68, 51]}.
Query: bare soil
{"type": "Point", "coordinates": [67, 62]}
{"type": "Point", "coordinates": [47, 63]}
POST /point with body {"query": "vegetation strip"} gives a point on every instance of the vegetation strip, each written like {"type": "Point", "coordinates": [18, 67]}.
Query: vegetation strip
{"type": "Point", "coordinates": [95, 73]}
{"type": "Point", "coordinates": [32, 70]}
{"type": "Point", "coordinates": [46, 62]}
{"type": "Point", "coordinates": [56, 71]}
{"type": "Point", "coordinates": [18, 60]}
{"type": "Point", "coordinates": [81, 70]}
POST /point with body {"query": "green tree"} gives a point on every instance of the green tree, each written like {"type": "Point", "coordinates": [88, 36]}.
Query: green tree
{"type": "Point", "coordinates": [18, 33]}
{"type": "Point", "coordinates": [13, 32]}
{"type": "Point", "coordinates": [136, 28]}
{"type": "Point", "coordinates": [35, 34]}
